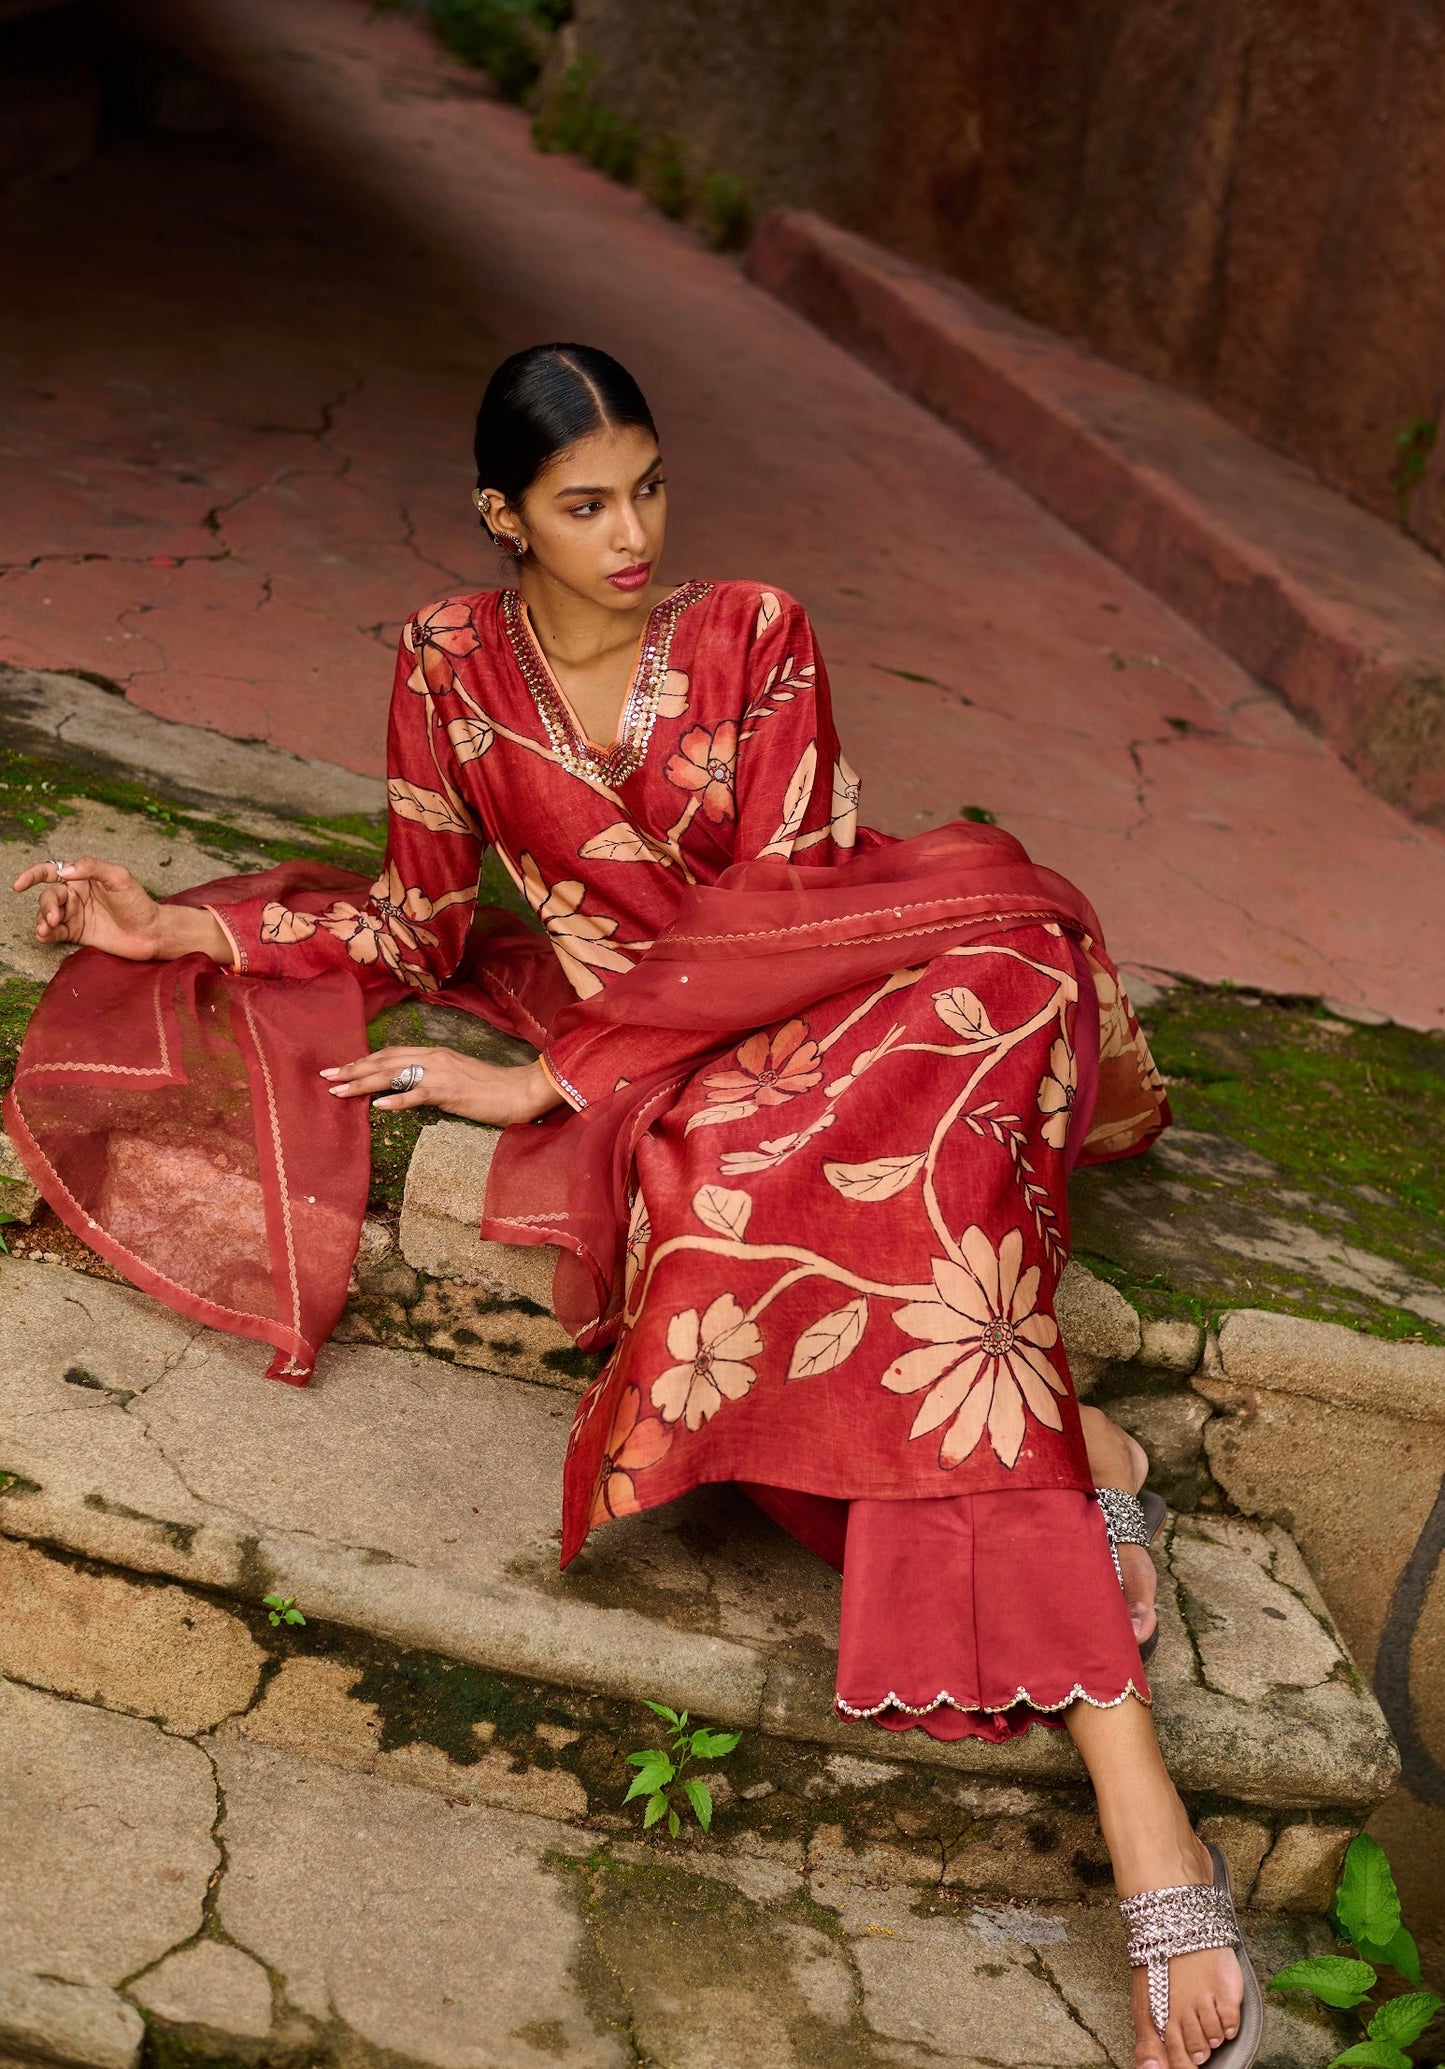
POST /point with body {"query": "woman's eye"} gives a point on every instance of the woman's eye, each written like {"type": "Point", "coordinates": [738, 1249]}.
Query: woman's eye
{"type": "Point", "coordinates": [586, 509]}
{"type": "Point", "coordinates": [650, 488]}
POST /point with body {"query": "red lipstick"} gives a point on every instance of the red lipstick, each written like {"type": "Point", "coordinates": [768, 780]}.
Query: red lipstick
{"type": "Point", "coordinates": [635, 577]}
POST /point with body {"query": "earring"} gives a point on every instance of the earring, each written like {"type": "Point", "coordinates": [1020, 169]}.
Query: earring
{"type": "Point", "coordinates": [516, 547]}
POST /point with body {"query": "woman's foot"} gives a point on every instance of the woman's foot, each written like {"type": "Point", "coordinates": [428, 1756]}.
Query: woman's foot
{"type": "Point", "coordinates": [1206, 1991]}
{"type": "Point", "coordinates": [1116, 1460]}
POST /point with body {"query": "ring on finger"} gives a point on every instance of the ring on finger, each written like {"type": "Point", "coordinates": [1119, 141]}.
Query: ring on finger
{"type": "Point", "coordinates": [408, 1077]}
{"type": "Point", "coordinates": [59, 867]}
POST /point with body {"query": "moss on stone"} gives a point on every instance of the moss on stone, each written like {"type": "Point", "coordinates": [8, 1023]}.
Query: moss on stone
{"type": "Point", "coordinates": [1303, 1174]}
{"type": "Point", "coordinates": [19, 996]}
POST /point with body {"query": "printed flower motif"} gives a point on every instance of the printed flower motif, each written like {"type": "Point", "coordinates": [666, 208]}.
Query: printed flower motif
{"type": "Point", "coordinates": [283, 927]}
{"type": "Point", "coordinates": [984, 1351]}
{"type": "Point", "coordinates": [632, 1446]}
{"type": "Point", "coordinates": [704, 766]}
{"type": "Point", "coordinates": [770, 1070]}
{"type": "Point", "coordinates": [711, 1367]}
{"type": "Point", "coordinates": [440, 638]}
{"type": "Point", "coordinates": [1056, 1094]}
{"type": "Point", "coordinates": [390, 927]}
{"type": "Point", "coordinates": [580, 938]}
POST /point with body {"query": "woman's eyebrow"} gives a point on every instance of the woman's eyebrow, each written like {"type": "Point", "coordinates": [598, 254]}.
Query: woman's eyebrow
{"type": "Point", "coordinates": [602, 490]}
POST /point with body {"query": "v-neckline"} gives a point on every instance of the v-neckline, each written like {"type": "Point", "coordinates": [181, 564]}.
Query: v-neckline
{"type": "Point", "coordinates": [569, 742]}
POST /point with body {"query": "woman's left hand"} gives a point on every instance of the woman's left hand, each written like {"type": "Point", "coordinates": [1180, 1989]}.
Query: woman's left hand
{"type": "Point", "coordinates": [496, 1094]}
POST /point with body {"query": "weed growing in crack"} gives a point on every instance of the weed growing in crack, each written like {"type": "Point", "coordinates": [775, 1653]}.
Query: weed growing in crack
{"type": "Point", "coordinates": [1365, 1916]}
{"type": "Point", "coordinates": [659, 1774]}
{"type": "Point", "coordinates": [283, 1609]}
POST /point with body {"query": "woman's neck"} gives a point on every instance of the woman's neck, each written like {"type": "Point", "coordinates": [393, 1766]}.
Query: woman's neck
{"type": "Point", "coordinates": [575, 631]}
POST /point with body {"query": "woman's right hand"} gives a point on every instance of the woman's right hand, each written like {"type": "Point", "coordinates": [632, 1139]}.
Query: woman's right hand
{"type": "Point", "coordinates": [95, 904]}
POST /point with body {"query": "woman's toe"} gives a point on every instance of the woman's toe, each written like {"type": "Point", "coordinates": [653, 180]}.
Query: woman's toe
{"type": "Point", "coordinates": [1141, 1585]}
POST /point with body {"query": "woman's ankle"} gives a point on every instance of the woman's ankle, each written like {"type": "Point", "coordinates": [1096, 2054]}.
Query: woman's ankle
{"type": "Point", "coordinates": [1149, 1857]}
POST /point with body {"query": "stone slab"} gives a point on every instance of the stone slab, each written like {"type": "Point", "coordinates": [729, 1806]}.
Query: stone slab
{"type": "Point", "coordinates": [446, 1186]}
{"type": "Point", "coordinates": [153, 1651]}
{"type": "Point", "coordinates": [213, 1984]}
{"type": "Point", "coordinates": [49, 714]}
{"type": "Point", "coordinates": [339, 1881]}
{"type": "Point", "coordinates": [1325, 1362]}
{"type": "Point", "coordinates": [1331, 606]}
{"type": "Point", "coordinates": [108, 1846]}
{"type": "Point", "coordinates": [44, 2020]}
{"type": "Point", "coordinates": [410, 1498]}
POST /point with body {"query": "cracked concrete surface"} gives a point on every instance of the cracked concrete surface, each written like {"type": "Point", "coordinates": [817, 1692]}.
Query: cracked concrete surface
{"type": "Point", "coordinates": [237, 487]}
{"type": "Point", "coordinates": [270, 1900]}
{"type": "Point", "coordinates": [247, 1847]}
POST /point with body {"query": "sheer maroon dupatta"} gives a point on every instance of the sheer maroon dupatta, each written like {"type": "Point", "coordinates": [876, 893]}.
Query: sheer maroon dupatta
{"type": "Point", "coordinates": [173, 1116]}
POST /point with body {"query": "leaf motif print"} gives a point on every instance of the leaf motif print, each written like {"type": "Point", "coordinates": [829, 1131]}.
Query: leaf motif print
{"type": "Point", "coordinates": [829, 1341]}
{"type": "Point", "coordinates": [725, 1213]}
{"type": "Point", "coordinates": [579, 938]}
{"type": "Point", "coordinates": [844, 820]}
{"type": "Point", "coordinates": [672, 700]}
{"type": "Point", "coordinates": [878, 1179]}
{"type": "Point", "coordinates": [621, 843]}
{"type": "Point", "coordinates": [769, 611]}
{"type": "Point", "coordinates": [795, 803]}
{"type": "Point", "coordinates": [427, 808]}
{"type": "Point", "coordinates": [735, 1162]}
{"type": "Point", "coordinates": [964, 1011]}
{"type": "Point", "coordinates": [713, 1116]}
{"type": "Point", "coordinates": [283, 927]}
{"type": "Point", "coordinates": [470, 738]}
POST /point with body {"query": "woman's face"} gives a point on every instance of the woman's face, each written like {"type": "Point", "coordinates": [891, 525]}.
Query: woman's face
{"type": "Point", "coordinates": [594, 519]}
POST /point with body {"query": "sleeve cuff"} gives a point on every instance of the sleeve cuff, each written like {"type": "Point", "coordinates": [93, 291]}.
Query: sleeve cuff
{"type": "Point", "coordinates": [238, 965]}
{"type": "Point", "coordinates": [560, 1084]}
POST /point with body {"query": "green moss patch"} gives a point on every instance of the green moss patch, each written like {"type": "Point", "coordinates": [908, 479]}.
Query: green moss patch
{"type": "Point", "coordinates": [1304, 1173]}
{"type": "Point", "coordinates": [19, 996]}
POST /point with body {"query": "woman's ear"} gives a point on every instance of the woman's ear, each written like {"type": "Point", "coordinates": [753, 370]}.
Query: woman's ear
{"type": "Point", "coordinates": [499, 518]}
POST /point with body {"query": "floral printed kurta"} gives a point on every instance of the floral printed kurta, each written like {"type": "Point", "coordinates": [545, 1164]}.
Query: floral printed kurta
{"type": "Point", "coordinates": [846, 1227]}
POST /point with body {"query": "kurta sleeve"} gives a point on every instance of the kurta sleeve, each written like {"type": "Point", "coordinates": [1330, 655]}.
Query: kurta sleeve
{"type": "Point", "coordinates": [414, 922]}
{"type": "Point", "coordinates": [794, 797]}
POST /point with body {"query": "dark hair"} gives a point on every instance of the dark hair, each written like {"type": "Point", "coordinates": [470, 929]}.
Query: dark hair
{"type": "Point", "coordinates": [543, 400]}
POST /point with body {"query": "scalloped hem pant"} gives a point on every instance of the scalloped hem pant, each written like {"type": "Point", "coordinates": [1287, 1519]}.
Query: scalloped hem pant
{"type": "Point", "coordinates": [971, 1616]}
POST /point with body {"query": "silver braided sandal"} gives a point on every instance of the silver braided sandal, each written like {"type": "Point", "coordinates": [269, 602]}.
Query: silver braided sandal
{"type": "Point", "coordinates": [1132, 1519]}
{"type": "Point", "coordinates": [1163, 1923]}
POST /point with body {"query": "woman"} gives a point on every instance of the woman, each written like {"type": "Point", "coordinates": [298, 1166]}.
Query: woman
{"type": "Point", "coordinates": [800, 1125]}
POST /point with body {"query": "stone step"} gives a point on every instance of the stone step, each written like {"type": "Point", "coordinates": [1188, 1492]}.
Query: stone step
{"type": "Point", "coordinates": [414, 1500]}
{"type": "Point", "coordinates": [285, 1903]}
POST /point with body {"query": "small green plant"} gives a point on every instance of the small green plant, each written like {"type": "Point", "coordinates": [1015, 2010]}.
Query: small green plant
{"type": "Point", "coordinates": [576, 121]}
{"type": "Point", "coordinates": [728, 205]}
{"type": "Point", "coordinates": [660, 1770]}
{"type": "Point", "coordinates": [1413, 447]}
{"type": "Point", "coordinates": [665, 177]}
{"type": "Point", "coordinates": [6, 1221]}
{"type": "Point", "coordinates": [283, 1609]}
{"type": "Point", "coordinates": [1365, 1916]}
{"type": "Point", "coordinates": [980, 815]}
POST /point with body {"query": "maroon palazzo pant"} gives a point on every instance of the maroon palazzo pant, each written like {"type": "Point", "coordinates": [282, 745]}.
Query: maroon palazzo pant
{"type": "Point", "coordinates": [975, 1615]}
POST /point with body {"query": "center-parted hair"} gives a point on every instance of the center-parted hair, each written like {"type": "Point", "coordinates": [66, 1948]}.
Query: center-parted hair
{"type": "Point", "coordinates": [540, 402]}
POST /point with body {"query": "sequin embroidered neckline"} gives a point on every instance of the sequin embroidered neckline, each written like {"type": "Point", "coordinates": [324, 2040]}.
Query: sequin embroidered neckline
{"type": "Point", "coordinates": [610, 765]}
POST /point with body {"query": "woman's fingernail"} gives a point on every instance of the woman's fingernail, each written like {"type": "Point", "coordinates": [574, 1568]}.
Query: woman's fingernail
{"type": "Point", "coordinates": [332, 1072]}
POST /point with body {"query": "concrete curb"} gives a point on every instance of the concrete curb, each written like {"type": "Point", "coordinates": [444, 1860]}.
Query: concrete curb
{"type": "Point", "coordinates": [246, 778]}
{"type": "Point", "coordinates": [1333, 608]}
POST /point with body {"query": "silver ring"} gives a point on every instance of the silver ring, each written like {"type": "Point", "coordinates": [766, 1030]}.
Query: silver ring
{"type": "Point", "coordinates": [58, 867]}
{"type": "Point", "coordinates": [408, 1078]}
